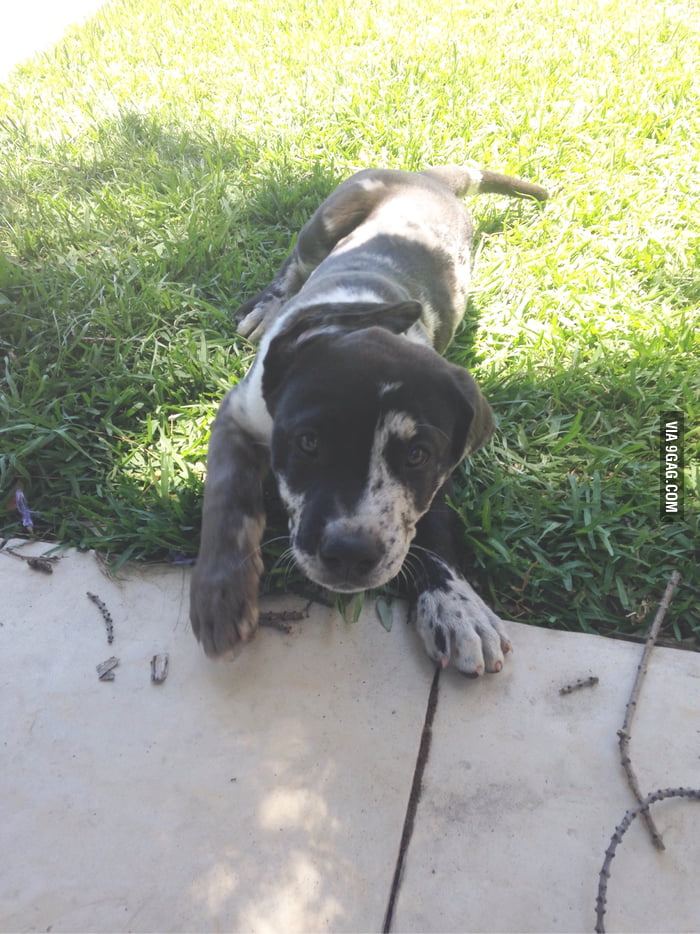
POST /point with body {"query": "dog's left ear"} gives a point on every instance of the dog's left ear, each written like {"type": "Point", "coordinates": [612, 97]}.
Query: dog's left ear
{"type": "Point", "coordinates": [321, 320]}
{"type": "Point", "coordinates": [477, 415]}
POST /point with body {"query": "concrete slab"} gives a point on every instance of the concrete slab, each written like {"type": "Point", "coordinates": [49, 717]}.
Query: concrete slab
{"type": "Point", "coordinates": [261, 794]}
{"type": "Point", "coordinates": [268, 793]}
{"type": "Point", "coordinates": [523, 790]}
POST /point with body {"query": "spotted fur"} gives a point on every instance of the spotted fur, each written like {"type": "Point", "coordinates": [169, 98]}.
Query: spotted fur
{"type": "Point", "coordinates": [383, 518]}
{"type": "Point", "coordinates": [456, 625]}
{"type": "Point", "coordinates": [359, 417]}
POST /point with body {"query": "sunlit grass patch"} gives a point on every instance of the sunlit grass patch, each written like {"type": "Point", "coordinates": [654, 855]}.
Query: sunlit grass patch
{"type": "Point", "coordinates": [157, 163]}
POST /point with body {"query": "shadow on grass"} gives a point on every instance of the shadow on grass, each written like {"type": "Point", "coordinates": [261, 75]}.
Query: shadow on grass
{"type": "Point", "coordinates": [119, 335]}
{"type": "Point", "coordinates": [119, 339]}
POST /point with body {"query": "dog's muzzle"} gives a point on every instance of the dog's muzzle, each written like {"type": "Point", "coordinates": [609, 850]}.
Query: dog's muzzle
{"type": "Point", "coordinates": [349, 559]}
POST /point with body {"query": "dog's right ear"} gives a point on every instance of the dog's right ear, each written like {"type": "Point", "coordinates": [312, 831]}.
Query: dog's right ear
{"type": "Point", "coordinates": [323, 320]}
{"type": "Point", "coordinates": [474, 424]}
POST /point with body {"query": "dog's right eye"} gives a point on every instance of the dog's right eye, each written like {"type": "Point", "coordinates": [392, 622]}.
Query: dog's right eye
{"type": "Point", "coordinates": [418, 456]}
{"type": "Point", "coordinates": [307, 442]}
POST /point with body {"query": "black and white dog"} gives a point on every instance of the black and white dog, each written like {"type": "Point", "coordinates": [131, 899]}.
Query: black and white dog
{"type": "Point", "coordinates": [360, 418]}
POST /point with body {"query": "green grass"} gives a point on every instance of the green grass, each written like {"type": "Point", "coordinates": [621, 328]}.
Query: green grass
{"type": "Point", "coordinates": [156, 164]}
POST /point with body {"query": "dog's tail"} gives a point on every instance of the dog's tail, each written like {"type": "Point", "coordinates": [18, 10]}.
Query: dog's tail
{"type": "Point", "coordinates": [469, 180]}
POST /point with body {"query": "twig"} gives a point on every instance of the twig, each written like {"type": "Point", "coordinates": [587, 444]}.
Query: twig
{"type": "Point", "coordinates": [59, 165]}
{"type": "Point", "coordinates": [107, 616]}
{"type": "Point", "coordinates": [642, 808]}
{"type": "Point", "coordinates": [689, 587]}
{"type": "Point", "coordinates": [42, 563]}
{"type": "Point", "coordinates": [580, 683]}
{"type": "Point", "coordinates": [282, 619]}
{"type": "Point", "coordinates": [105, 670]}
{"type": "Point", "coordinates": [159, 668]}
{"type": "Point", "coordinates": [526, 579]}
{"type": "Point", "coordinates": [624, 733]}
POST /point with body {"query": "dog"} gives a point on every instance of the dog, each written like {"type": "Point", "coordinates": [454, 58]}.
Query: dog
{"type": "Point", "coordinates": [358, 415]}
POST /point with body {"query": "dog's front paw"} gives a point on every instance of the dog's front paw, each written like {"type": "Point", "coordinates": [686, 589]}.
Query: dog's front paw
{"type": "Point", "coordinates": [224, 603]}
{"type": "Point", "coordinates": [457, 626]}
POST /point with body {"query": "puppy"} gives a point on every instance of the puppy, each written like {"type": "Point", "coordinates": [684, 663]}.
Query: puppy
{"type": "Point", "coordinates": [359, 417]}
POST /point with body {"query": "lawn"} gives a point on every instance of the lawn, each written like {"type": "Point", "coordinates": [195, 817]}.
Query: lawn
{"type": "Point", "coordinates": [156, 164]}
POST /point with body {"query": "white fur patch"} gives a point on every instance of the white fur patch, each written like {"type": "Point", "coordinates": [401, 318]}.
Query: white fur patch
{"type": "Point", "coordinates": [345, 294]}
{"type": "Point", "coordinates": [249, 532]}
{"type": "Point", "coordinates": [400, 424]}
{"type": "Point", "coordinates": [369, 182]}
{"type": "Point", "coordinates": [456, 626]}
{"type": "Point", "coordinates": [386, 512]}
{"type": "Point", "coordinates": [245, 404]}
{"type": "Point", "coordinates": [476, 177]}
{"type": "Point", "coordinates": [293, 502]}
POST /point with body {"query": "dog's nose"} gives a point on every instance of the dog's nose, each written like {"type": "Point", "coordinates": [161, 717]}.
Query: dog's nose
{"type": "Point", "coordinates": [350, 555]}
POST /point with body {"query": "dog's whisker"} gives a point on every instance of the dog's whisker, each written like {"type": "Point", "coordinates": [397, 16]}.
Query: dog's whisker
{"type": "Point", "coordinates": [427, 551]}
{"type": "Point", "coordinates": [408, 571]}
{"type": "Point", "coordinates": [282, 563]}
{"type": "Point", "coordinates": [273, 541]}
{"type": "Point", "coordinates": [406, 576]}
{"type": "Point", "coordinates": [291, 566]}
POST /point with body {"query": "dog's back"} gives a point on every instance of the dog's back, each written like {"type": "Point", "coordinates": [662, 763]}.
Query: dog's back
{"type": "Point", "coordinates": [385, 235]}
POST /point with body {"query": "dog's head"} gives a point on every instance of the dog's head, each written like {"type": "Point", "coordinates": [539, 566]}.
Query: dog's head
{"type": "Point", "coordinates": [367, 427]}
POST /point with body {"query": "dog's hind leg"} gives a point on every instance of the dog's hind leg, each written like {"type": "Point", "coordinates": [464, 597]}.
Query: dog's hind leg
{"type": "Point", "coordinates": [259, 311]}
{"type": "Point", "coordinates": [343, 210]}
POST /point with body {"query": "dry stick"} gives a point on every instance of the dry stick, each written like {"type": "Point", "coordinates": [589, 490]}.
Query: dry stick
{"type": "Point", "coordinates": [689, 587]}
{"type": "Point", "coordinates": [643, 808]}
{"type": "Point", "coordinates": [580, 683]}
{"type": "Point", "coordinates": [624, 733]}
{"type": "Point", "coordinates": [159, 668]}
{"type": "Point", "coordinates": [106, 615]}
{"type": "Point", "coordinates": [282, 619]}
{"type": "Point", "coordinates": [105, 670]}
{"type": "Point", "coordinates": [42, 563]}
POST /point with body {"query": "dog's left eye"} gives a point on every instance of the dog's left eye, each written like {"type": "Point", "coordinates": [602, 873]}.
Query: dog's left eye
{"type": "Point", "coordinates": [307, 442]}
{"type": "Point", "coordinates": [417, 456]}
